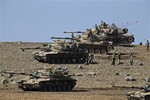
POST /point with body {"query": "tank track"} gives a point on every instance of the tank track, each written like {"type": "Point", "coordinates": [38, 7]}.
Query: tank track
{"type": "Point", "coordinates": [52, 85]}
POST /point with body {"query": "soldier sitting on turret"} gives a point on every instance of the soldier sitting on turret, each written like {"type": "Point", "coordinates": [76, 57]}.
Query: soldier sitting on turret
{"type": "Point", "coordinates": [97, 30]}
{"type": "Point", "coordinates": [36, 74]}
{"type": "Point", "coordinates": [113, 26]}
{"type": "Point", "coordinates": [89, 33]}
{"type": "Point", "coordinates": [103, 25]}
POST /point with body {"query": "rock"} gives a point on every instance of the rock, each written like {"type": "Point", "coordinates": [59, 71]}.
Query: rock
{"type": "Point", "coordinates": [80, 66]}
{"type": "Point", "coordinates": [79, 74]}
{"type": "Point", "coordinates": [117, 74]}
{"type": "Point", "coordinates": [12, 82]}
{"type": "Point", "coordinates": [140, 64]}
{"type": "Point", "coordinates": [130, 78]}
{"type": "Point", "coordinates": [3, 80]}
{"type": "Point", "coordinates": [10, 75]}
{"type": "Point", "coordinates": [91, 73]}
{"type": "Point", "coordinates": [147, 79]}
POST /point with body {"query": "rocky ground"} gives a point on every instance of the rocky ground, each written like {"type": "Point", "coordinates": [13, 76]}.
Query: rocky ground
{"type": "Point", "coordinates": [92, 76]}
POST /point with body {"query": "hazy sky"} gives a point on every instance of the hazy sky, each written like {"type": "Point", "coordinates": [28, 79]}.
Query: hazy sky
{"type": "Point", "coordinates": [38, 20]}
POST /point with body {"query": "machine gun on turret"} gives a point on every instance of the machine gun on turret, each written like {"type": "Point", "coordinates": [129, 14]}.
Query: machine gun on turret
{"type": "Point", "coordinates": [65, 38]}
{"type": "Point", "coordinates": [12, 72]}
{"type": "Point", "coordinates": [72, 36]}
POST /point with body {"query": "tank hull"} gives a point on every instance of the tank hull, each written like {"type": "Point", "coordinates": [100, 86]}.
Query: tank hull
{"type": "Point", "coordinates": [96, 47]}
{"type": "Point", "coordinates": [51, 85]}
{"type": "Point", "coordinates": [62, 57]}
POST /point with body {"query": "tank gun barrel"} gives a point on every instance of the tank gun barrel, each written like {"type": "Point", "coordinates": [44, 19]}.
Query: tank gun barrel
{"type": "Point", "coordinates": [63, 38]}
{"type": "Point", "coordinates": [22, 49]}
{"type": "Point", "coordinates": [73, 32]}
{"type": "Point", "coordinates": [21, 73]}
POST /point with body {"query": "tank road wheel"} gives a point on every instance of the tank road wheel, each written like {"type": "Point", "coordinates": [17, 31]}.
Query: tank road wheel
{"type": "Point", "coordinates": [130, 40]}
{"type": "Point", "coordinates": [91, 51]}
{"type": "Point", "coordinates": [97, 51]}
{"type": "Point", "coordinates": [59, 88]}
{"type": "Point", "coordinates": [64, 88]}
{"type": "Point", "coordinates": [45, 88]}
{"type": "Point", "coordinates": [103, 51]}
{"type": "Point", "coordinates": [69, 88]}
{"type": "Point", "coordinates": [63, 61]}
{"type": "Point", "coordinates": [147, 97]}
{"type": "Point", "coordinates": [53, 61]}
{"type": "Point", "coordinates": [109, 48]}
{"type": "Point", "coordinates": [69, 60]}
{"type": "Point", "coordinates": [50, 88]}
{"type": "Point", "coordinates": [74, 61]}
{"type": "Point", "coordinates": [58, 61]}
{"type": "Point", "coordinates": [54, 88]}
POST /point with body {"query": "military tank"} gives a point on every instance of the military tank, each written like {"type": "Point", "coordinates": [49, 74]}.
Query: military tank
{"type": "Point", "coordinates": [90, 44]}
{"type": "Point", "coordinates": [112, 33]}
{"type": "Point", "coordinates": [47, 80]}
{"type": "Point", "coordinates": [140, 95]}
{"type": "Point", "coordinates": [105, 32]}
{"type": "Point", "coordinates": [60, 53]}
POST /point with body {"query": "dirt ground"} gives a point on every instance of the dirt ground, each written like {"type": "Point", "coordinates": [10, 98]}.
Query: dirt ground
{"type": "Point", "coordinates": [95, 81]}
{"type": "Point", "coordinates": [76, 94]}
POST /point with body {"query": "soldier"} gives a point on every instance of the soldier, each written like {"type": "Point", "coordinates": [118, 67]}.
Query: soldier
{"type": "Point", "coordinates": [89, 59]}
{"type": "Point", "coordinates": [147, 45]}
{"type": "Point", "coordinates": [103, 25]}
{"type": "Point", "coordinates": [90, 33]}
{"type": "Point", "coordinates": [131, 59]}
{"type": "Point", "coordinates": [140, 43]}
{"type": "Point", "coordinates": [114, 59]}
{"type": "Point", "coordinates": [97, 30]}
{"type": "Point", "coordinates": [119, 57]}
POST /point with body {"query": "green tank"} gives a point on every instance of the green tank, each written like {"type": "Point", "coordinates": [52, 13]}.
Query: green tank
{"type": "Point", "coordinates": [140, 95]}
{"type": "Point", "coordinates": [47, 80]}
{"type": "Point", "coordinates": [62, 53]}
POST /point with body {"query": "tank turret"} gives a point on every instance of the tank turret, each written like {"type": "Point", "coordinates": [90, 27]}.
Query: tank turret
{"type": "Point", "coordinates": [140, 95]}
{"type": "Point", "coordinates": [113, 33]}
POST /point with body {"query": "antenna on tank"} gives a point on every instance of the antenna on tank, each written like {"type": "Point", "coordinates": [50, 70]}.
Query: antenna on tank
{"type": "Point", "coordinates": [128, 23]}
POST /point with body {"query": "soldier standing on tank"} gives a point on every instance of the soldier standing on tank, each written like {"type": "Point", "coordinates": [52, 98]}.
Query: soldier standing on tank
{"type": "Point", "coordinates": [114, 59]}
{"type": "Point", "coordinates": [147, 45]}
{"type": "Point", "coordinates": [97, 30]}
{"type": "Point", "coordinates": [90, 33]}
{"type": "Point", "coordinates": [103, 25]}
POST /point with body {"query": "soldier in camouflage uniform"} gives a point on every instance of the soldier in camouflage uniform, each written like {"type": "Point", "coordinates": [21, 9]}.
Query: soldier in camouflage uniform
{"type": "Point", "coordinates": [114, 59]}
{"type": "Point", "coordinates": [89, 60]}
{"type": "Point", "coordinates": [147, 45]}
{"type": "Point", "coordinates": [119, 57]}
{"type": "Point", "coordinates": [131, 59]}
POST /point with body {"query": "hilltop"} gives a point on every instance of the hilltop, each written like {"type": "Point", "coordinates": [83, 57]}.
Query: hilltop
{"type": "Point", "coordinates": [101, 75]}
